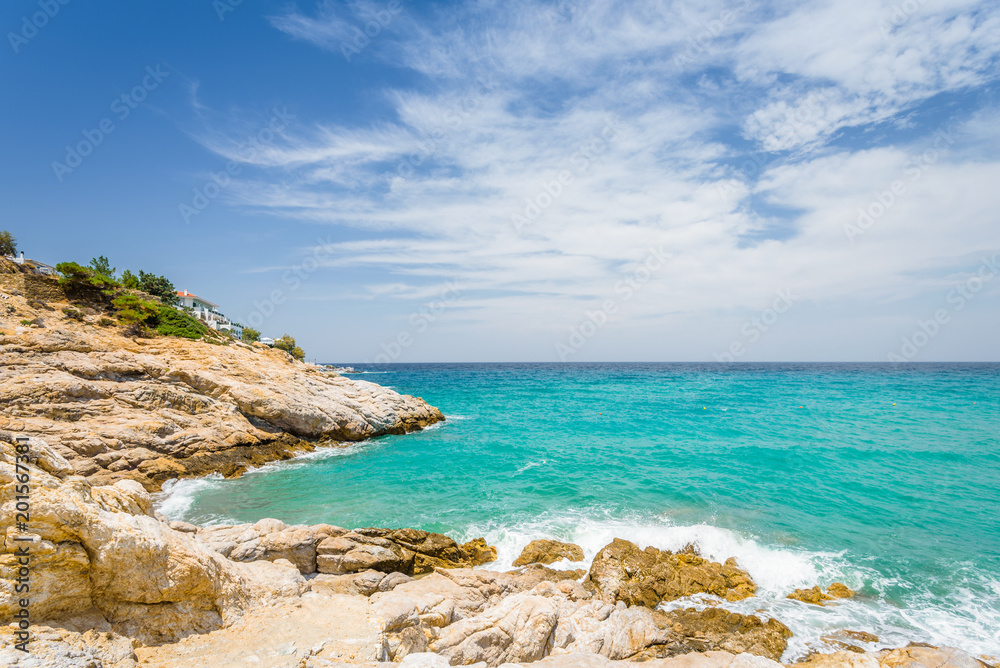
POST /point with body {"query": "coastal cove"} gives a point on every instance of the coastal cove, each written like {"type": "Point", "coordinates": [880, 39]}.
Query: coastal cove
{"type": "Point", "coordinates": [879, 476]}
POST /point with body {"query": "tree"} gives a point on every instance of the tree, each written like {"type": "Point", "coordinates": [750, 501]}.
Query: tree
{"type": "Point", "coordinates": [158, 286]}
{"type": "Point", "coordinates": [84, 283]}
{"type": "Point", "coordinates": [102, 266]}
{"type": "Point", "coordinates": [129, 280]}
{"type": "Point", "coordinates": [8, 244]}
{"type": "Point", "coordinates": [136, 314]}
{"type": "Point", "coordinates": [287, 344]}
{"type": "Point", "coordinates": [250, 335]}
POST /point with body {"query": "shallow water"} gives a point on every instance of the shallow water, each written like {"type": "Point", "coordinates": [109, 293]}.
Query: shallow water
{"type": "Point", "coordinates": [884, 477]}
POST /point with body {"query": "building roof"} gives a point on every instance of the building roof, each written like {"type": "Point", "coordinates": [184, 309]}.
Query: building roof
{"type": "Point", "coordinates": [185, 293]}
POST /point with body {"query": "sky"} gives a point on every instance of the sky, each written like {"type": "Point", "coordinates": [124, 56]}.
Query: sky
{"type": "Point", "coordinates": [572, 180]}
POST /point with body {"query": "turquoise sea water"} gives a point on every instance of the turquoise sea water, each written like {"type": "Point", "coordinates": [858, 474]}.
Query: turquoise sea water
{"type": "Point", "coordinates": [884, 477]}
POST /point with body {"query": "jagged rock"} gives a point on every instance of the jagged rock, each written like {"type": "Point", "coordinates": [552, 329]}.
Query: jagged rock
{"type": "Point", "coordinates": [270, 539]}
{"type": "Point", "coordinates": [839, 590]}
{"type": "Point", "coordinates": [851, 641]}
{"type": "Point", "coordinates": [547, 552]}
{"type": "Point", "coordinates": [408, 551]}
{"type": "Point", "coordinates": [720, 629]}
{"type": "Point", "coordinates": [364, 583]}
{"type": "Point", "coordinates": [817, 596]}
{"type": "Point", "coordinates": [62, 648]}
{"type": "Point", "coordinates": [101, 548]}
{"type": "Point", "coordinates": [164, 407]}
{"type": "Point", "coordinates": [518, 629]}
{"type": "Point", "coordinates": [925, 656]}
{"type": "Point", "coordinates": [623, 572]}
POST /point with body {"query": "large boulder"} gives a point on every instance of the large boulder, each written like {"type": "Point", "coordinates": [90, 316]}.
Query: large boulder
{"type": "Point", "coordinates": [623, 572]}
{"type": "Point", "coordinates": [717, 629]}
{"type": "Point", "coordinates": [545, 551]}
{"type": "Point", "coordinates": [408, 551]}
{"type": "Point", "coordinates": [817, 596]}
{"type": "Point", "coordinates": [101, 548]}
{"type": "Point", "coordinates": [270, 540]}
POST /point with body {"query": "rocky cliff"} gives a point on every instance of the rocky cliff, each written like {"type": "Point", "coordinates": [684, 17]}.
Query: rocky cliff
{"type": "Point", "coordinates": [151, 409]}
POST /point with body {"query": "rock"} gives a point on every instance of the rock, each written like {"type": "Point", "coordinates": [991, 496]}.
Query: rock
{"type": "Point", "coordinates": [516, 630]}
{"type": "Point", "coordinates": [408, 551]}
{"type": "Point", "coordinates": [547, 552]}
{"type": "Point", "coordinates": [364, 583]}
{"type": "Point", "coordinates": [166, 407]}
{"type": "Point", "coordinates": [846, 659]}
{"type": "Point", "coordinates": [925, 656]}
{"type": "Point", "coordinates": [623, 572]}
{"type": "Point", "coordinates": [839, 590]}
{"type": "Point", "coordinates": [851, 641]}
{"type": "Point", "coordinates": [816, 596]}
{"type": "Point", "coordinates": [100, 548]}
{"type": "Point", "coordinates": [720, 629]}
{"type": "Point", "coordinates": [269, 540]}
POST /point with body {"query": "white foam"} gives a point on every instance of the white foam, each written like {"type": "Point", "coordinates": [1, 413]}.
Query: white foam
{"type": "Point", "coordinates": [531, 465]}
{"type": "Point", "coordinates": [961, 619]}
{"type": "Point", "coordinates": [177, 496]}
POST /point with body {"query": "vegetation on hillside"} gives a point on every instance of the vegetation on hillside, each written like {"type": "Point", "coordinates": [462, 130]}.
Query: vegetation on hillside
{"type": "Point", "coordinates": [8, 244]}
{"type": "Point", "coordinates": [287, 344]}
{"type": "Point", "coordinates": [144, 304]}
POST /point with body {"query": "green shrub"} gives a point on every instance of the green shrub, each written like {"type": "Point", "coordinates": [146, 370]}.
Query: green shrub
{"type": "Point", "coordinates": [26, 323]}
{"type": "Point", "coordinates": [105, 322]}
{"type": "Point", "coordinates": [8, 244]}
{"type": "Point", "coordinates": [171, 322]}
{"type": "Point", "coordinates": [287, 344]}
{"type": "Point", "coordinates": [158, 286]}
{"type": "Point", "coordinates": [73, 314]}
{"type": "Point", "coordinates": [84, 283]}
{"type": "Point", "coordinates": [136, 315]}
{"type": "Point", "coordinates": [250, 335]}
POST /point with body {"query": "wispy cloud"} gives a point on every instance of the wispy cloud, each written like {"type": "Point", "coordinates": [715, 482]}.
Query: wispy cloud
{"type": "Point", "coordinates": [512, 95]}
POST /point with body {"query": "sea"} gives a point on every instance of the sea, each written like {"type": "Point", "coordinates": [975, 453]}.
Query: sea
{"type": "Point", "coordinates": [885, 477]}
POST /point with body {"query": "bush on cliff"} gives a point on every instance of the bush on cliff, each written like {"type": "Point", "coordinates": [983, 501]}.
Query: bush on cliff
{"type": "Point", "coordinates": [171, 322]}
{"type": "Point", "coordinates": [84, 283]}
{"type": "Point", "coordinates": [135, 314]}
{"type": "Point", "coordinates": [250, 335]}
{"type": "Point", "coordinates": [158, 286]}
{"type": "Point", "coordinates": [8, 244]}
{"type": "Point", "coordinates": [287, 344]}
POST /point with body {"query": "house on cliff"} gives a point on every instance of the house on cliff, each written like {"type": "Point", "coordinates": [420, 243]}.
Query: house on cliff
{"type": "Point", "coordinates": [207, 312]}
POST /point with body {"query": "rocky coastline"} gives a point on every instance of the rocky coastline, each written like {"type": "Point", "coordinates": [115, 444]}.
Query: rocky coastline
{"type": "Point", "coordinates": [153, 409]}
{"type": "Point", "coordinates": [100, 421]}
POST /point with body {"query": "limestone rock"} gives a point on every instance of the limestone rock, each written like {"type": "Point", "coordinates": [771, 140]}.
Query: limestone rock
{"type": "Point", "coordinates": [817, 596]}
{"type": "Point", "coordinates": [623, 572]}
{"type": "Point", "coordinates": [548, 551]}
{"type": "Point", "coordinates": [161, 408]}
{"type": "Point", "coordinates": [925, 656]}
{"type": "Point", "coordinates": [270, 539]}
{"type": "Point", "coordinates": [408, 551]}
{"type": "Point", "coordinates": [99, 548]}
{"type": "Point", "coordinates": [720, 629]}
{"type": "Point", "coordinates": [516, 630]}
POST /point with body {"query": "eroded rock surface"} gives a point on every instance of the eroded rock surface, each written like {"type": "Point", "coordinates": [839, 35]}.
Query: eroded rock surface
{"type": "Point", "coordinates": [164, 407]}
{"type": "Point", "coordinates": [545, 551]}
{"type": "Point", "coordinates": [623, 572]}
{"type": "Point", "coordinates": [99, 548]}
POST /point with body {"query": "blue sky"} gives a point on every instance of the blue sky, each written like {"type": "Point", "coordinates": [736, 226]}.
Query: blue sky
{"type": "Point", "coordinates": [526, 181]}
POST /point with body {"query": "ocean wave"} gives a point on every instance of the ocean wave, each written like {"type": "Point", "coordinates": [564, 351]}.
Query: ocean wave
{"type": "Point", "coordinates": [965, 618]}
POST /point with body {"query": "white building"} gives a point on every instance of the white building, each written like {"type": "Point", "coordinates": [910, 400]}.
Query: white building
{"type": "Point", "coordinates": [208, 313]}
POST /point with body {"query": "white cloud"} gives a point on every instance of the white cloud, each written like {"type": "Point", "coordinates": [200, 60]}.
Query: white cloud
{"type": "Point", "coordinates": [522, 93]}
